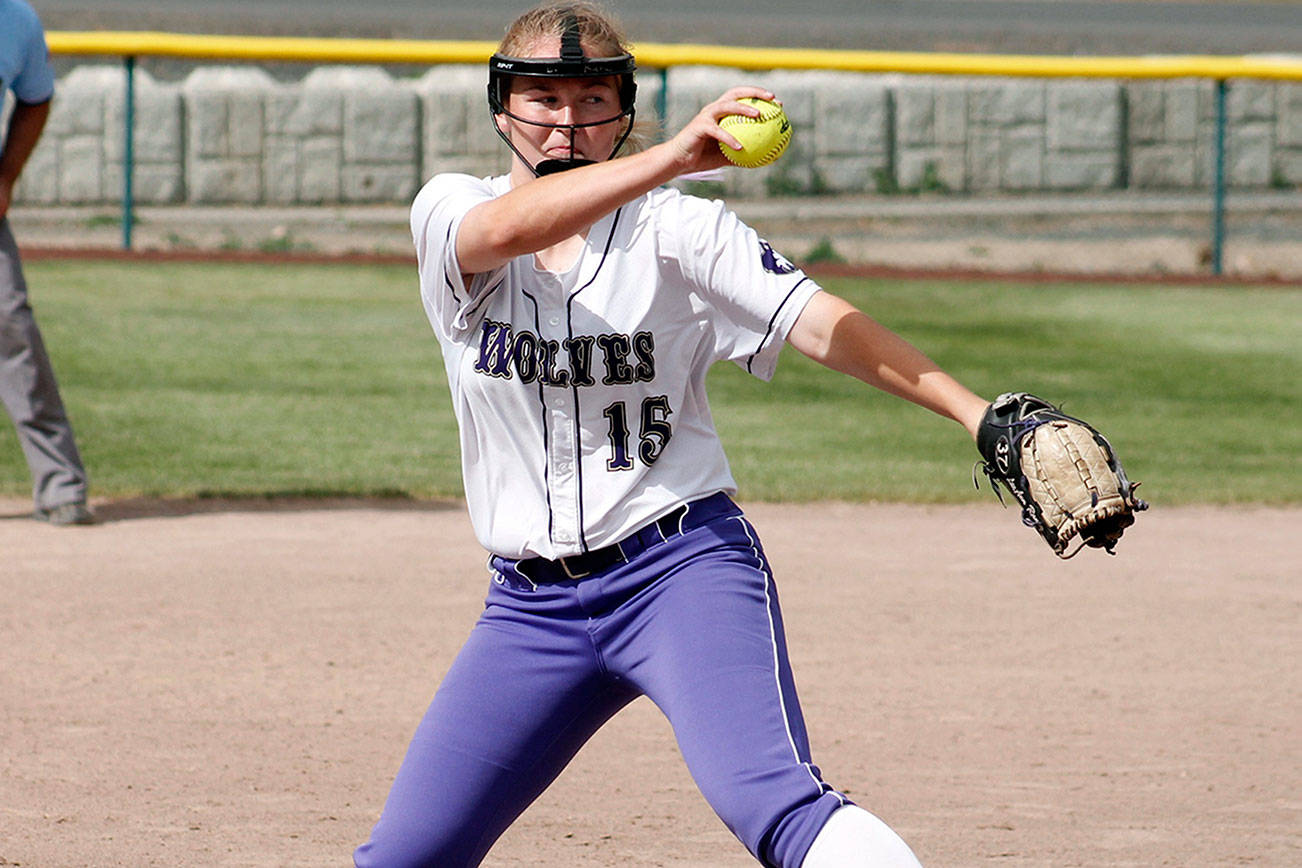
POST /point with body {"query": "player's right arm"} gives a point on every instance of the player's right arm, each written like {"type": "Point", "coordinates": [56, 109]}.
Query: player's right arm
{"type": "Point", "coordinates": [25, 126]}
{"type": "Point", "coordinates": [545, 211]}
{"type": "Point", "coordinates": [33, 88]}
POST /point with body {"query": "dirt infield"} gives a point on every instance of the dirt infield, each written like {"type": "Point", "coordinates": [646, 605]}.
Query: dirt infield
{"type": "Point", "coordinates": [234, 684]}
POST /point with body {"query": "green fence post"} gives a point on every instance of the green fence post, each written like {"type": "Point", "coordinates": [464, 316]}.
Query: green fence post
{"type": "Point", "coordinates": [128, 151]}
{"type": "Point", "coordinates": [662, 99]}
{"type": "Point", "coordinates": [1218, 183]}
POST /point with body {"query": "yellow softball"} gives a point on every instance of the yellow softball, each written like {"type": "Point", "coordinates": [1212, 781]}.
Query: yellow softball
{"type": "Point", "coordinates": [763, 139]}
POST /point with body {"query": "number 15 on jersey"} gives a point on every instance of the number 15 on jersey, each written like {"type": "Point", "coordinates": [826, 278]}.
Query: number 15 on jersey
{"type": "Point", "coordinates": [654, 432]}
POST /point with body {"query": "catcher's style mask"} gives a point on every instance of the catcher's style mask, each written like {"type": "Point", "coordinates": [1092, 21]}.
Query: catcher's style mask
{"type": "Point", "coordinates": [571, 64]}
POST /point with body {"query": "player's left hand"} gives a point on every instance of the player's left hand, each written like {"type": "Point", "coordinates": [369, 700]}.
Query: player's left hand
{"type": "Point", "coordinates": [1062, 471]}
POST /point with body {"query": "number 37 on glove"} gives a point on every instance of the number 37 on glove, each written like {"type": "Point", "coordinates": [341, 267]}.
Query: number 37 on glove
{"type": "Point", "coordinates": [1062, 471]}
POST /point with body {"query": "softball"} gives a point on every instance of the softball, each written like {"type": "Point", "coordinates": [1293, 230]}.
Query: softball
{"type": "Point", "coordinates": [763, 139]}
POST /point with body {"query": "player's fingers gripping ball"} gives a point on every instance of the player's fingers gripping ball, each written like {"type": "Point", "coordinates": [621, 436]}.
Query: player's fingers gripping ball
{"type": "Point", "coordinates": [763, 139]}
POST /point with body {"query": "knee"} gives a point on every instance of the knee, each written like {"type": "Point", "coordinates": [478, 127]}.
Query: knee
{"type": "Point", "coordinates": [15, 331]}
{"type": "Point", "coordinates": [379, 851]}
{"type": "Point", "coordinates": [854, 838]}
{"type": "Point", "coordinates": [391, 847]}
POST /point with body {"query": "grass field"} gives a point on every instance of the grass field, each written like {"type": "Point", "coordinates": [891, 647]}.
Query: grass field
{"type": "Point", "coordinates": [241, 379]}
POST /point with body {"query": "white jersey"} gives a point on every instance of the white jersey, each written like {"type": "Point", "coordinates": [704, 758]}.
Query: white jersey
{"type": "Point", "coordinates": [580, 395]}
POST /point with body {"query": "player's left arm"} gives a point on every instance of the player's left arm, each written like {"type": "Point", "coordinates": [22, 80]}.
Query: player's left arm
{"type": "Point", "coordinates": [834, 333]}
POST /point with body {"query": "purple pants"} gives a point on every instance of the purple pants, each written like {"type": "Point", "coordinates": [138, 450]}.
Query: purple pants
{"type": "Point", "coordinates": [691, 621]}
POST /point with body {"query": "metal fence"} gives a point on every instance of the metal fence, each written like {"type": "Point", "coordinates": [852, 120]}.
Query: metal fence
{"type": "Point", "coordinates": [129, 46]}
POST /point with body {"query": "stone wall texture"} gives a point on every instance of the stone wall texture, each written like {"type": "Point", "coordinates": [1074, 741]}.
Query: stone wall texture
{"type": "Point", "coordinates": [350, 135]}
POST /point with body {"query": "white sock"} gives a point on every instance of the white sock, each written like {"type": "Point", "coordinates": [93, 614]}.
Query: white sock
{"type": "Point", "coordinates": [854, 838]}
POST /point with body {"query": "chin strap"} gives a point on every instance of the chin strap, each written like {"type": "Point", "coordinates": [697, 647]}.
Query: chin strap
{"type": "Point", "coordinates": [551, 167]}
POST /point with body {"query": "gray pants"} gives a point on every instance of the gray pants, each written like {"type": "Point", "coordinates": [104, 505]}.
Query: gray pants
{"type": "Point", "coordinates": [29, 392]}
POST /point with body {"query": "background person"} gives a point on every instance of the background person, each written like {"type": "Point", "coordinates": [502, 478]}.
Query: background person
{"type": "Point", "coordinates": [27, 385]}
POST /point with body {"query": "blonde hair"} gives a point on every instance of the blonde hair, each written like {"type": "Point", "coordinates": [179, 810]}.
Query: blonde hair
{"type": "Point", "coordinates": [597, 28]}
{"type": "Point", "coordinates": [599, 33]}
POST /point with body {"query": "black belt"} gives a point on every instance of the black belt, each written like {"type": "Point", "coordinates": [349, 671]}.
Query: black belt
{"type": "Point", "coordinates": [686, 517]}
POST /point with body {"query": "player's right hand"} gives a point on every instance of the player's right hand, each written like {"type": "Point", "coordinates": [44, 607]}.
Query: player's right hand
{"type": "Point", "coordinates": [696, 146]}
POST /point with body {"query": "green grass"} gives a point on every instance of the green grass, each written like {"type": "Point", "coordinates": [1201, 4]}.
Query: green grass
{"type": "Point", "coordinates": [240, 379]}
{"type": "Point", "coordinates": [245, 379]}
{"type": "Point", "coordinates": [1199, 390]}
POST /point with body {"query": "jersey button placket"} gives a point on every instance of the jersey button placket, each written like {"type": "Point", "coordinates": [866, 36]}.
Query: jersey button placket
{"type": "Point", "coordinates": [562, 456]}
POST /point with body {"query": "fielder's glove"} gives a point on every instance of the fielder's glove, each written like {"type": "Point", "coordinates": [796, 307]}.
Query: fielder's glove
{"type": "Point", "coordinates": [1060, 469]}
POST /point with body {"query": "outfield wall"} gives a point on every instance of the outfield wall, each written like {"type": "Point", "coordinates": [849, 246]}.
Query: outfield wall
{"type": "Point", "coordinates": [235, 135]}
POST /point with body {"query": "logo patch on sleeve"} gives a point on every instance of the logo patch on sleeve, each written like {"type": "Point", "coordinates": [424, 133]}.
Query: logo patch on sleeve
{"type": "Point", "coordinates": [774, 262]}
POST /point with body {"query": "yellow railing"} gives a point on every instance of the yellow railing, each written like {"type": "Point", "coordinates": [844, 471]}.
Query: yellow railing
{"type": "Point", "coordinates": [659, 56]}
{"type": "Point", "coordinates": [281, 48]}
{"type": "Point", "coordinates": [130, 45]}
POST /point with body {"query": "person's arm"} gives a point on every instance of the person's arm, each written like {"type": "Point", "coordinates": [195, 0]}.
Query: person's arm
{"type": "Point", "coordinates": [834, 333]}
{"type": "Point", "coordinates": [25, 128]}
{"type": "Point", "coordinates": [550, 209]}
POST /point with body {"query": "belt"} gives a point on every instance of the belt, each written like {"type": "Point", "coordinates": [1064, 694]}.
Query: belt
{"type": "Point", "coordinates": [688, 516]}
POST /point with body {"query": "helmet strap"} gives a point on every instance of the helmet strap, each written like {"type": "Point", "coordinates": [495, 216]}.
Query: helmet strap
{"type": "Point", "coordinates": [571, 45]}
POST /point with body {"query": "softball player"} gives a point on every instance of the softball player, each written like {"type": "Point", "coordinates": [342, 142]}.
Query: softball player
{"type": "Point", "coordinates": [579, 304]}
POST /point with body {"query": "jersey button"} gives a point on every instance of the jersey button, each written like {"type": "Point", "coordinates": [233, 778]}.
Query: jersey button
{"type": "Point", "coordinates": [554, 320]}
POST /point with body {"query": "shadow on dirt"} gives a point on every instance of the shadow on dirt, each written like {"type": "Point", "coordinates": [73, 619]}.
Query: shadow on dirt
{"type": "Point", "coordinates": [130, 509]}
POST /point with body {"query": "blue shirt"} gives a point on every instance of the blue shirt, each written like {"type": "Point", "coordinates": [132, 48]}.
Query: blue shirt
{"type": "Point", "coordinates": [24, 58]}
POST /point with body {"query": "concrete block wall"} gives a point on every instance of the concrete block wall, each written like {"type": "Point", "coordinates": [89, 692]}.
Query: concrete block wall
{"type": "Point", "coordinates": [965, 135]}
{"type": "Point", "coordinates": [456, 135]}
{"type": "Point", "coordinates": [224, 134]}
{"type": "Point", "coordinates": [79, 158]}
{"type": "Point", "coordinates": [1288, 134]}
{"type": "Point", "coordinates": [842, 128]}
{"type": "Point", "coordinates": [343, 135]}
